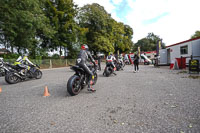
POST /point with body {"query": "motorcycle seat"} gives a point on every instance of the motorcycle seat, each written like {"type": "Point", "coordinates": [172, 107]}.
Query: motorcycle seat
{"type": "Point", "coordinates": [77, 68]}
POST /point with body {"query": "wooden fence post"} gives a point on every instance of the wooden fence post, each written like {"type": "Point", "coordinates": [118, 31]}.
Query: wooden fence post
{"type": "Point", "coordinates": [50, 64]}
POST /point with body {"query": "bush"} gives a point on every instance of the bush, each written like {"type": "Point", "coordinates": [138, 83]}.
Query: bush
{"type": "Point", "coordinates": [55, 56]}
{"type": "Point", "coordinates": [10, 56]}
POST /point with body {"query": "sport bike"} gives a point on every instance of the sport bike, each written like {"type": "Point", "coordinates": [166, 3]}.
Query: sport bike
{"type": "Point", "coordinates": [80, 79]}
{"type": "Point", "coordinates": [15, 74]}
{"type": "Point", "coordinates": [108, 69]}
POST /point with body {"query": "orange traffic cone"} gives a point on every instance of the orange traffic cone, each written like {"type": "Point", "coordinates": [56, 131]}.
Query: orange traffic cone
{"type": "Point", "coordinates": [46, 92]}
{"type": "Point", "coordinates": [0, 89]}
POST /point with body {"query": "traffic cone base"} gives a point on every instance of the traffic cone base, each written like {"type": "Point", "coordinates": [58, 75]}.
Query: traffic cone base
{"type": "Point", "coordinates": [46, 92]}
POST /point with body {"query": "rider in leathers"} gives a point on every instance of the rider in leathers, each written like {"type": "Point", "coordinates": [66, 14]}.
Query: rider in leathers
{"type": "Point", "coordinates": [112, 59]}
{"type": "Point", "coordinates": [23, 62]}
{"type": "Point", "coordinates": [82, 61]}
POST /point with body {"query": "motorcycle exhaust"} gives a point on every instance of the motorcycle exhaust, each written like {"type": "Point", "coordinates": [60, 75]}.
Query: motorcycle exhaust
{"type": "Point", "coordinates": [18, 75]}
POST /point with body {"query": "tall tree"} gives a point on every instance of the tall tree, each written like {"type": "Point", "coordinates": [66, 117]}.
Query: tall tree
{"type": "Point", "coordinates": [149, 43]}
{"type": "Point", "coordinates": [104, 33]}
{"type": "Point", "coordinates": [95, 19]}
{"type": "Point", "coordinates": [128, 40]}
{"type": "Point", "coordinates": [121, 36]}
{"type": "Point", "coordinates": [62, 15]}
{"type": "Point", "coordinates": [196, 34]}
{"type": "Point", "coordinates": [19, 23]}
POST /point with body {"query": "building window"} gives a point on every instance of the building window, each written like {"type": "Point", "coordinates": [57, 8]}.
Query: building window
{"type": "Point", "coordinates": [184, 49]}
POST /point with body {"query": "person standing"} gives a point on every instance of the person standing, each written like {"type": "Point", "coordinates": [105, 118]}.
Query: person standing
{"type": "Point", "coordinates": [99, 61]}
{"type": "Point", "coordinates": [136, 63]}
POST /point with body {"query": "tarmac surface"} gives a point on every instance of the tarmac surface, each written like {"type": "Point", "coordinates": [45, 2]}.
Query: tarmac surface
{"type": "Point", "coordinates": [154, 100]}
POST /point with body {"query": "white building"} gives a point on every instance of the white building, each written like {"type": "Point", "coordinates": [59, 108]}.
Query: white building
{"type": "Point", "coordinates": [186, 49]}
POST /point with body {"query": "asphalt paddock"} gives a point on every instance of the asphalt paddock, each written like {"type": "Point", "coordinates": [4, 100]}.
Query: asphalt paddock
{"type": "Point", "coordinates": [155, 100]}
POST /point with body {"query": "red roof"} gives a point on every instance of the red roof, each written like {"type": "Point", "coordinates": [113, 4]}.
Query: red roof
{"type": "Point", "coordinates": [149, 52]}
{"type": "Point", "coordinates": [183, 42]}
{"type": "Point", "coordinates": [3, 50]}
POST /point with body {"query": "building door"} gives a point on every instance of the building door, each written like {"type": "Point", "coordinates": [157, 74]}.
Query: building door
{"type": "Point", "coordinates": [168, 56]}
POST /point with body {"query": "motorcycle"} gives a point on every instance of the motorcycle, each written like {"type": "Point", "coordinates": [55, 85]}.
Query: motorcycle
{"type": "Point", "coordinates": [108, 69]}
{"type": "Point", "coordinates": [120, 65]}
{"type": "Point", "coordinates": [2, 72]}
{"type": "Point", "coordinates": [127, 62]}
{"type": "Point", "coordinates": [80, 79]}
{"type": "Point", "coordinates": [2, 67]}
{"type": "Point", "coordinates": [15, 74]}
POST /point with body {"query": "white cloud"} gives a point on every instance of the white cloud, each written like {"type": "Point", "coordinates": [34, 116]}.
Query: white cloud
{"type": "Point", "coordinates": [115, 17]}
{"type": "Point", "coordinates": [178, 25]}
{"type": "Point", "coordinates": [117, 2]}
{"type": "Point", "coordinates": [181, 22]}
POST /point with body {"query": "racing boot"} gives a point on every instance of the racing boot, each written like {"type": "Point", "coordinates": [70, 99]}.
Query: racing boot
{"type": "Point", "coordinates": [114, 72]}
{"type": "Point", "coordinates": [90, 88]}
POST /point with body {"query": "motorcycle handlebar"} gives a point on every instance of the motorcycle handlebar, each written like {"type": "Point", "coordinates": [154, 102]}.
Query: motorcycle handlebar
{"type": "Point", "coordinates": [37, 65]}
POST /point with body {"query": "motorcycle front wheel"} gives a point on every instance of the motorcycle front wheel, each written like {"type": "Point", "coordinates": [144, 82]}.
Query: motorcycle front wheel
{"type": "Point", "coordinates": [38, 74]}
{"type": "Point", "coordinates": [73, 85]}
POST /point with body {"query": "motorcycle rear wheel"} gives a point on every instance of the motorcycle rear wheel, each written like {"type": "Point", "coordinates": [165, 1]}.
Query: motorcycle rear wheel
{"type": "Point", "coordinates": [118, 67]}
{"type": "Point", "coordinates": [11, 78]}
{"type": "Point", "coordinates": [107, 72]}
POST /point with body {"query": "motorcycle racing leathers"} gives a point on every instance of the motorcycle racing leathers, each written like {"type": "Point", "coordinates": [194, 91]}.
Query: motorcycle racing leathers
{"type": "Point", "coordinates": [23, 62]}
{"type": "Point", "coordinates": [111, 59]}
{"type": "Point", "coordinates": [82, 61]}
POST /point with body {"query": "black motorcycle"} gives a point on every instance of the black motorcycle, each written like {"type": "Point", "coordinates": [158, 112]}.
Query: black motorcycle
{"type": "Point", "coordinates": [127, 62]}
{"type": "Point", "coordinates": [2, 67]}
{"type": "Point", "coordinates": [80, 79]}
{"type": "Point", "coordinates": [119, 65]}
{"type": "Point", "coordinates": [15, 74]}
{"type": "Point", "coordinates": [2, 72]}
{"type": "Point", "coordinates": [108, 69]}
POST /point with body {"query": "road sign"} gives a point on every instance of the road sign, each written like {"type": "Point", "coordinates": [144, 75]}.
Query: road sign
{"type": "Point", "coordinates": [194, 66]}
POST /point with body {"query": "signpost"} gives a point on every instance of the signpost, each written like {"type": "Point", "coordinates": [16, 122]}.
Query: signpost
{"type": "Point", "coordinates": [138, 51]}
{"type": "Point", "coordinates": [194, 66]}
{"type": "Point", "coordinates": [158, 48]}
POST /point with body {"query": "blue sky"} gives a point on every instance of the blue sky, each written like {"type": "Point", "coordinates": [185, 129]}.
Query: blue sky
{"type": "Point", "coordinates": [173, 20]}
{"type": "Point", "coordinates": [122, 9]}
{"type": "Point", "coordinates": [155, 19]}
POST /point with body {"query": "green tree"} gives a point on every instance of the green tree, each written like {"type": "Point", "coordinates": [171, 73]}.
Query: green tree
{"type": "Point", "coordinates": [118, 32]}
{"type": "Point", "coordinates": [94, 18]}
{"type": "Point", "coordinates": [196, 34]}
{"type": "Point", "coordinates": [127, 38]}
{"type": "Point", "coordinates": [19, 23]}
{"type": "Point", "coordinates": [149, 43]}
{"type": "Point", "coordinates": [104, 33]}
{"type": "Point", "coordinates": [62, 15]}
